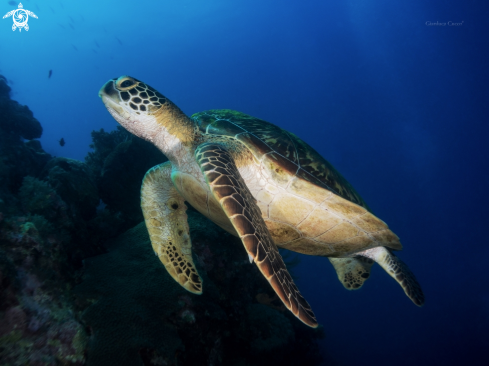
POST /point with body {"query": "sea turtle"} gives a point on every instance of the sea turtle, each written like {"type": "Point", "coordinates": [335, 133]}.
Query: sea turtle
{"type": "Point", "coordinates": [258, 182]}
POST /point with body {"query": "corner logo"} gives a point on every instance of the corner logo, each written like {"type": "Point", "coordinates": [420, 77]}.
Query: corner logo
{"type": "Point", "coordinates": [20, 16]}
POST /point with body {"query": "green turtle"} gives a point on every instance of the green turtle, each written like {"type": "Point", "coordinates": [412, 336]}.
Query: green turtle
{"type": "Point", "coordinates": [258, 182]}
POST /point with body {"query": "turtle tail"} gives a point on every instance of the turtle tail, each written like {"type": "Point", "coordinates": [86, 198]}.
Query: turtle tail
{"type": "Point", "coordinates": [399, 271]}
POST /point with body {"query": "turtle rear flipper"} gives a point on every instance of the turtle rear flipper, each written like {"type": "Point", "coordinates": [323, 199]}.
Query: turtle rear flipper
{"type": "Point", "coordinates": [164, 214]}
{"type": "Point", "coordinates": [352, 272]}
{"type": "Point", "coordinates": [230, 190]}
{"type": "Point", "coordinates": [398, 270]}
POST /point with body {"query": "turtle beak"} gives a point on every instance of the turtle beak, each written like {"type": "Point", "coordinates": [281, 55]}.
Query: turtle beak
{"type": "Point", "coordinates": [108, 89]}
{"type": "Point", "coordinates": [111, 99]}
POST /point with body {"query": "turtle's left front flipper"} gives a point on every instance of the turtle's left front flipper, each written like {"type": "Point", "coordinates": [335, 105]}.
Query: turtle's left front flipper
{"type": "Point", "coordinates": [229, 188]}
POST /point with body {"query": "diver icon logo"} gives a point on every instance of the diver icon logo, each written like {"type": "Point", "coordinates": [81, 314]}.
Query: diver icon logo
{"type": "Point", "coordinates": [20, 16]}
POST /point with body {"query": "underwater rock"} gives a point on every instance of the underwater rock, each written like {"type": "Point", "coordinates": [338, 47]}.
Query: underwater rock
{"type": "Point", "coordinates": [37, 323]}
{"type": "Point", "coordinates": [42, 242]}
{"type": "Point", "coordinates": [27, 340]}
{"type": "Point", "coordinates": [103, 143]}
{"type": "Point", "coordinates": [132, 299]}
{"type": "Point", "coordinates": [17, 158]}
{"type": "Point", "coordinates": [271, 329]}
{"type": "Point", "coordinates": [19, 119]}
{"type": "Point", "coordinates": [140, 316]}
{"type": "Point", "coordinates": [38, 197]}
{"type": "Point", "coordinates": [135, 156]}
{"type": "Point", "coordinates": [9, 284]}
{"type": "Point", "coordinates": [4, 88]}
{"type": "Point", "coordinates": [74, 182]}
{"type": "Point", "coordinates": [120, 162]}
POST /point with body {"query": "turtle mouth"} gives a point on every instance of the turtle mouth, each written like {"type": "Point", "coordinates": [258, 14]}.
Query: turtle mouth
{"type": "Point", "coordinates": [113, 107]}
{"type": "Point", "coordinates": [109, 103]}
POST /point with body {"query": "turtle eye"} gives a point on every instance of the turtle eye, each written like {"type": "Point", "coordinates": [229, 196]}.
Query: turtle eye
{"type": "Point", "coordinates": [127, 83]}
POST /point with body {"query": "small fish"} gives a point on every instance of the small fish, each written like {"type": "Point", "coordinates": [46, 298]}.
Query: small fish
{"type": "Point", "coordinates": [76, 49]}
{"type": "Point", "coordinates": [97, 44]}
{"type": "Point", "coordinates": [71, 19]}
{"type": "Point", "coordinates": [71, 25]}
{"type": "Point", "coordinates": [12, 3]}
{"type": "Point", "coordinates": [50, 73]}
{"type": "Point", "coordinates": [10, 81]}
{"type": "Point", "coordinates": [62, 142]}
{"type": "Point", "coordinates": [118, 40]}
{"type": "Point", "coordinates": [94, 50]}
{"type": "Point", "coordinates": [52, 10]}
{"type": "Point", "coordinates": [61, 26]}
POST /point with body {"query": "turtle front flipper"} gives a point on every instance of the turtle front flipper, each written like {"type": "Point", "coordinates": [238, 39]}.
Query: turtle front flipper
{"type": "Point", "coordinates": [230, 190]}
{"type": "Point", "coordinates": [164, 214]}
{"type": "Point", "coordinates": [398, 270]}
{"type": "Point", "coordinates": [352, 272]}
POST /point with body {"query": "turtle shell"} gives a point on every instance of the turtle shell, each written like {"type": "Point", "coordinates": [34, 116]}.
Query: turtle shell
{"type": "Point", "coordinates": [288, 152]}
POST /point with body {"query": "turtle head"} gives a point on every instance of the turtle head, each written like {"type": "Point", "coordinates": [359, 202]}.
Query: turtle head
{"type": "Point", "coordinates": [146, 113]}
{"type": "Point", "coordinates": [134, 104]}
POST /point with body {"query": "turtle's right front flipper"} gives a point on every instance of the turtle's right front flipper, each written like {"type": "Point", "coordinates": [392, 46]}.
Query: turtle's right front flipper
{"type": "Point", "coordinates": [164, 214]}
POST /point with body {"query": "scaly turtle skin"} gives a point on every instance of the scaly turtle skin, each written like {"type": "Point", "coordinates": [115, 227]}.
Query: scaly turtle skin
{"type": "Point", "coordinates": [258, 182]}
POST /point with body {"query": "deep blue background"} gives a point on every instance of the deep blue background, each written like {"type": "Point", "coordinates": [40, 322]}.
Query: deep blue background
{"type": "Point", "coordinates": [398, 106]}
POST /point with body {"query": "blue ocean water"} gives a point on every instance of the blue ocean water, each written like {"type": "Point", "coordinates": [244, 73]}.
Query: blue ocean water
{"type": "Point", "coordinates": [393, 94]}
